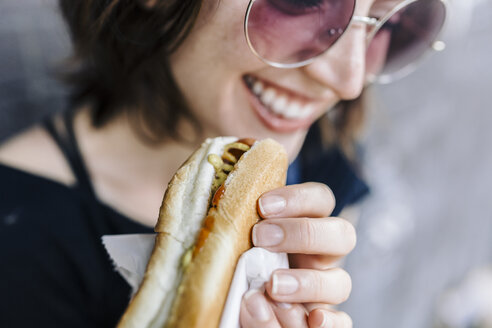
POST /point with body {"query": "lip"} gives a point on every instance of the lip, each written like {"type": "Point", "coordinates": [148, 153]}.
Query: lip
{"type": "Point", "coordinates": [273, 121]}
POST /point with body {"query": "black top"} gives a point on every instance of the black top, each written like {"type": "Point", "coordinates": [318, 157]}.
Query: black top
{"type": "Point", "coordinates": [330, 167]}
{"type": "Point", "coordinates": [54, 270]}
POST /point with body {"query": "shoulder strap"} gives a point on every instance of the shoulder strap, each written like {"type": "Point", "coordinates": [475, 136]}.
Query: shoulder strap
{"type": "Point", "coordinates": [61, 129]}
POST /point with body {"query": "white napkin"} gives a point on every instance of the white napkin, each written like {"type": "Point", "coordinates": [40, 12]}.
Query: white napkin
{"type": "Point", "coordinates": [130, 254]}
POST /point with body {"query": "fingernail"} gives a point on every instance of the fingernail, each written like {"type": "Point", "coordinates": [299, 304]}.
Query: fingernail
{"type": "Point", "coordinates": [284, 284]}
{"type": "Point", "coordinates": [265, 234]}
{"type": "Point", "coordinates": [321, 320]}
{"type": "Point", "coordinates": [257, 306]}
{"type": "Point", "coordinates": [272, 204]}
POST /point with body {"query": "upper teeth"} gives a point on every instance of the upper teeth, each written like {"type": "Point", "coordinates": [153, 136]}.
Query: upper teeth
{"type": "Point", "coordinates": [258, 87]}
{"type": "Point", "coordinates": [279, 103]}
{"type": "Point", "coordinates": [268, 96]}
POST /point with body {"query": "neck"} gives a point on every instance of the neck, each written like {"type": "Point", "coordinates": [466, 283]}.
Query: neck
{"type": "Point", "coordinates": [127, 173]}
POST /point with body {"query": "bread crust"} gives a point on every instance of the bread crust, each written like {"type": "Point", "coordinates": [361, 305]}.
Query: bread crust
{"type": "Point", "coordinates": [203, 288]}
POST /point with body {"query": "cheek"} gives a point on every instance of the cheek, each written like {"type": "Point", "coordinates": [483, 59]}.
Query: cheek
{"type": "Point", "coordinates": [222, 38]}
{"type": "Point", "coordinates": [217, 38]}
{"type": "Point", "coordinates": [211, 61]}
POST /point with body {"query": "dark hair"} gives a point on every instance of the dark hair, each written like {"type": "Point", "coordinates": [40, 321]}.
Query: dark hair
{"type": "Point", "coordinates": [121, 63]}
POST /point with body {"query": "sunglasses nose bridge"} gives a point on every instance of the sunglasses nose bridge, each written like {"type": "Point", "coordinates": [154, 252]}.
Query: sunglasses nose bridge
{"type": "Point", "coordinates": [371, 21]}
{"type": "Point", "coordinates": [373, 24]}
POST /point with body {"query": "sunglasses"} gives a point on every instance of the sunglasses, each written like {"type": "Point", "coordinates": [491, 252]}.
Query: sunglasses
{"type": "Point", "coordinates": [292, 33]}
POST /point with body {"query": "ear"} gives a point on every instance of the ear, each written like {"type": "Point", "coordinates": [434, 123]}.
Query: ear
{"type": "Point", "coordinates": [147, 4]}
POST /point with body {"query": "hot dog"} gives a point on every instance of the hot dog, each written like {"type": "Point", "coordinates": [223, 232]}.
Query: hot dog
{"type": "Point", "coordinates": [204, 226]}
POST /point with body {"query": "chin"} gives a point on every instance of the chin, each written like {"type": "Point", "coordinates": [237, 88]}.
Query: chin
{"type": "Point", "coordinates": [292, 143]}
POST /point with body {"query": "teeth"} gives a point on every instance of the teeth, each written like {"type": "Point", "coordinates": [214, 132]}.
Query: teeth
{"type": "Point", "coordinates": [268, 97]}
{"type": "Point", "coordinates": [257, 88]}
{"type": "Point", "coordinates": [306, 111]}
{"type": "Point", "coordinates": [278, 103]}
{"type": "Point", "coordinates": [293, 111]}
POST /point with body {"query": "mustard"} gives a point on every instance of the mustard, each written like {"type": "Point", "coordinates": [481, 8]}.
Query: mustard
{"type": "Point", "coordinates": [186, 259]}
{"type": "Point", "coordinates": [216, 161]}
{"type": "Point", "coordinates": [223, 169]}
{"type": "Point", "coordinates": [237, 145]}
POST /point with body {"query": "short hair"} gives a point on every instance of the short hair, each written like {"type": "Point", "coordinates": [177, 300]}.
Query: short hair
{"type": "Point", "coordinates": [121, 61]}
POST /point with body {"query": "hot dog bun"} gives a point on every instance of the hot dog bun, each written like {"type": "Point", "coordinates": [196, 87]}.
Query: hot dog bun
{"type": "Point", "coordinates": [178, 291]}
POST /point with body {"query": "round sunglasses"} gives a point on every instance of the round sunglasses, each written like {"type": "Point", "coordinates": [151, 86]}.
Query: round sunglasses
{"type": "Point", "coordinates": [292, 33]}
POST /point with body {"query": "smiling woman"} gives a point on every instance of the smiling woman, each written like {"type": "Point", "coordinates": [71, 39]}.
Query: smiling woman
{"type": "Point", "coordinates": [143, 84]}
{"type": "Point", "coordinates": [150, 80]}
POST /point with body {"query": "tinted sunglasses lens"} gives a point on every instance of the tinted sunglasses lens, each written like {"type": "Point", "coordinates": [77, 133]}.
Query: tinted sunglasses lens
{"type": "Point", "coordinates": [405, 37]}
{"type": "Point", "coordinates": [293, 31]}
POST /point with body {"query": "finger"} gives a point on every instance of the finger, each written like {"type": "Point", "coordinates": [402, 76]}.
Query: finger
{"type": "Point", "coordinates": [320, 318]}
{"type": "Point", "coordinates": [309, 199]}
{"type": "Point", "coordinates": [331, 236]}
{"type": "Point", "coordinates": [290, 315]}
{"type": "Point", "coordinates": [256, 311]}
{"type": "Point", "coordinates": [312, 306]}
{"type": "Point", "coordinates": [332, 286]}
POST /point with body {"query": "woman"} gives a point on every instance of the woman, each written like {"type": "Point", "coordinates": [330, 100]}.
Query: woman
{"type": "Point", "coordinates": [152, 79]}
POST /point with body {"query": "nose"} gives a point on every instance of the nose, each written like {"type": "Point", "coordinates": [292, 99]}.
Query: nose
{"type": "Point", "coordinates": [342, 67]}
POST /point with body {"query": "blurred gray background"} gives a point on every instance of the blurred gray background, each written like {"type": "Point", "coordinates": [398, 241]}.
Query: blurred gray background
{"type": "Point", "coordinates": [427, 225]}
{"type": "Point", "coordinates": [33, 41]}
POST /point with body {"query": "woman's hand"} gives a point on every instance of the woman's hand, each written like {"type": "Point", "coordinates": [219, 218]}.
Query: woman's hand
{"type": "Point", "coordinates": [296, 221]}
